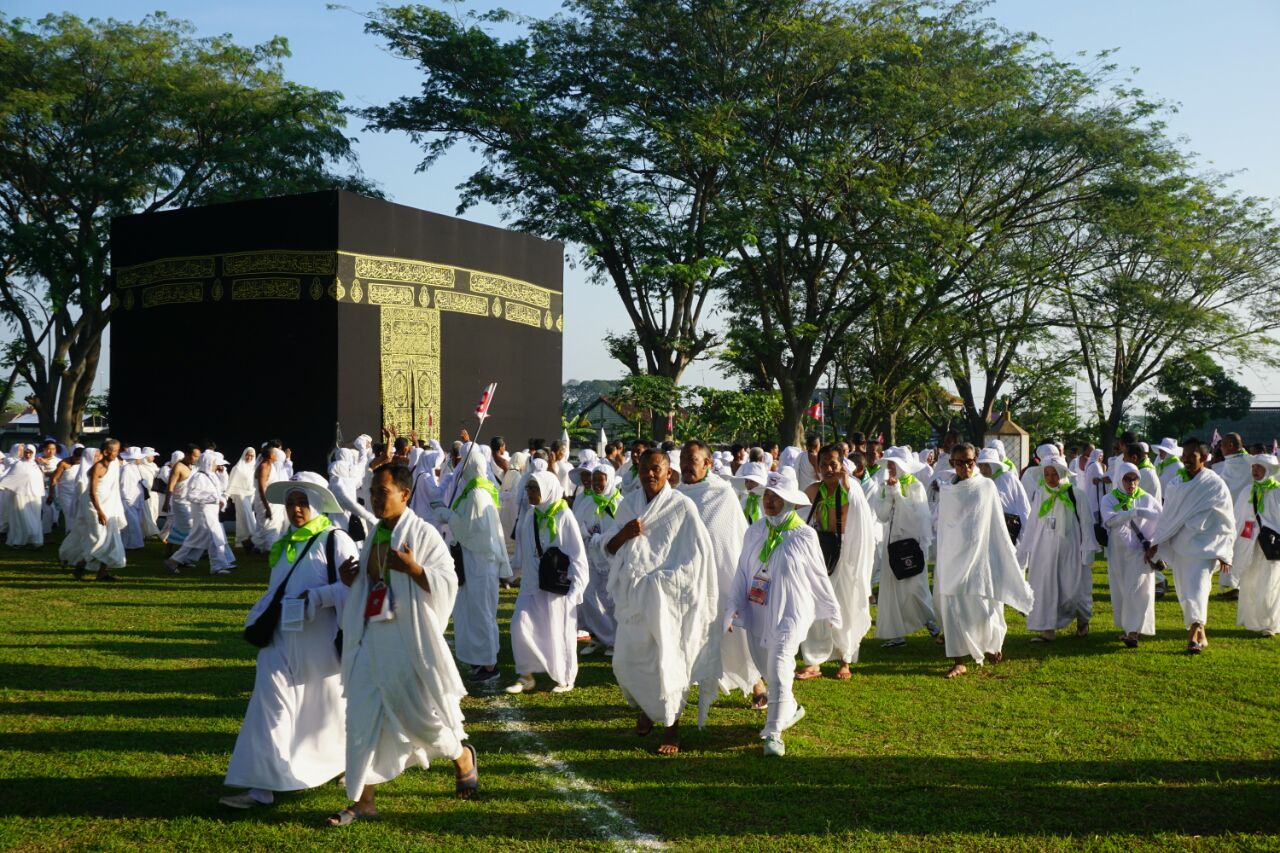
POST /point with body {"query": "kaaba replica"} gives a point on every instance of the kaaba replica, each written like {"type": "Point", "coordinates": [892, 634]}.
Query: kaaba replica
{"type": "Point", "coordinates": [321, 316]}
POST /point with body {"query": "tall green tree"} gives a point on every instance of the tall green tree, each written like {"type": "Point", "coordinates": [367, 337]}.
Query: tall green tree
{"type": "Point", "coordinates": [606, 127]}
{"type": "Point", "coordinates": [105, 118]}
{"type": "Point", "coordinates": [1194, 392]}
{"type": "Point", "coordinates": [1181, 268]}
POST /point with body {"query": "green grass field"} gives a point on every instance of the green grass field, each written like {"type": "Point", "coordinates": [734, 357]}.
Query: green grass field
{"type": "Point", "coordinates": [120, 705]}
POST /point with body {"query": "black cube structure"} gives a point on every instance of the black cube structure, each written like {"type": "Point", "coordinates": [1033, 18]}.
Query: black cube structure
{"type": "Point", "coordinates": [322, 316]}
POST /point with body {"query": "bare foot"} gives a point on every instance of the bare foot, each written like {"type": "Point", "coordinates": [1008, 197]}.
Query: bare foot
{"type": "Point", "coordinates": [956, 671]}
{"type": "Point", "coordinates": [644, 725]}
{"type": "Point", "coordinates": [843, 672]}
{"type": "Point", "coordinates": [670, 741]}
{"type": "Point", "coordinates": [805, 673]}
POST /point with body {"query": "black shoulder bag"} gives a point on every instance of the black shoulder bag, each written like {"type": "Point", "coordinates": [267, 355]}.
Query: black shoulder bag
{"type": "Point", "coordinates": [827, 541]}
{"type": "Point", "coordinates": [553, 566]}
{"type": "Point", "coordinates": [264, 627]}
{"type": "Point", "coordinates": [1268, 540]}
{"type": "Point", "coordinates": [455, 551]}
{"type": "Point", "coordinates": [1013, 524]}
{"type": "Point", "coordinates": [906, 557]}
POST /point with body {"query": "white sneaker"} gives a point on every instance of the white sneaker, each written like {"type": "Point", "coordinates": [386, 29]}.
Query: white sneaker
{"type": "Point", "coordinates": [523, 684]}
{"type": "Point", "coordinates": [608, 652]}
{"type": "Point", "coordinates": [562, 688]}
{"type": "Point", "coordinates": [774, 747]}
{"type": "Point", "coordinates": [242, 800]}
{"type": "Point", "coordinates": [797, 717]}
{"type": "Point", "coordinates": [589, 648]}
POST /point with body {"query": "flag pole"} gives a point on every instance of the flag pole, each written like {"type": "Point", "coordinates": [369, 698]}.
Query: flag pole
{"type": "Point", "coordinates": [481, 416]}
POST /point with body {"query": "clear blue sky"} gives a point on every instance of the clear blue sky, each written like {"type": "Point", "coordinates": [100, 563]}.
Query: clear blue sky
{"type": "Point", "coordinates": [1217, 61]}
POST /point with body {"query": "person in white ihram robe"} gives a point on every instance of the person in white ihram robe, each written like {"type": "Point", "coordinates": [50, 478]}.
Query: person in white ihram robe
{"type": "Point", "coordinates": [1236, 470]}
{"type": "Point", "coordinates": [1258, 507]}
{"type": "Point", "coordinates": [6, 497]}
{"type": "Point", "coordinates": [65, 490]}
{"type": "Point", "coordinates": [204, 494]}
{"type": "Point", "coordinates": [663, 583]}
{"type": "Point", "coordinates": [269, 520]}
{"type": "Point", "coordinates": [473, 523]}
{"type": "Point", "coordinates": [23, 485]}
{"type": "Point", "coordinates": [400, 682]}
{"type": "Point", "coordinates": [717, 505]}
{"type": "Point", "coordinates": [1130, 515]}
{"type": "Point", "coordinates": [748, 484]}
{"type": "Point", "coordinates": [1168, 463]}
{"type": "Point", "coordinates": [840, 509]}
{"type": "Point", "coordinates": [294, 732]}
{"type": "Point", "coordinates": [507, 491]}
{"type": "Point", "coordinates": [544, 625]}
{"type": "Point", "coordinates": [779, 590]}
{"type": "Point", "coordinates": [594, 511]}
{"type": "Point", "coordinates": [977, 572]}
{"type": "Point", "coordinates": [1031, 477]}
{"type": "Point", "coordinates": [75, 545]}
{"type": "Point", "coordinates": [133, 494]}
{"type": "Point", "coordinates": [104, 548]}
{"type": "Point", "coordinates": [1057, 548]}
{"type": "Point", "coordinates": [903, 606]}
{"type": "Point", "coordinates": [1196, 533]}
{"type": "Point", "coordinates": [1013, 498]}
{"type": "Point", "coordinates": [150, 525]}
{"type": "Point", "coordinates": [1148, 477]}
{"type": "Point", "coordinates": [240, 493]}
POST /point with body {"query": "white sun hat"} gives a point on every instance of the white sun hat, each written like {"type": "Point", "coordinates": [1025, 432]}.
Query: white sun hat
{"type": "Point", "coordinates": [316, 488]}
{"type": "Point", "coordinates": [783, 484]}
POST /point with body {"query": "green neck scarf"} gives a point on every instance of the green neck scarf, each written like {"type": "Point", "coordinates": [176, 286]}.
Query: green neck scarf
{"type": "Point", "coordinates": [484, 484]}
{"type": "Point", "coordinates": [997, 473]}
{"type": "Point", "coordinates": [1259, 492]}
{"type": "Point", "coordinates": [828, 503]}
{"type": "Point", "coordinates": [1008, 463]}
{"type": "Point", "coordinates": [546, 519]}
{"type": "Point", "coordinates": [635, 468]}
{"type": "Point", "coordinates": [1054, 495]}
{"type": "Point", "coordinates": [752, 507]}
{"type": "Point", "coordinates": [1124, 500]}
{"type": "Point", "coordinates": [904, 483]}
{"type": "Point", "coordinates": [382, 535]}
{"type": "Point", "coordinates": [774, 539]}
{"type": "Point", "coordinates": [1165, 463]}
{"type": "Point", "coordinates": [288, 544]}
{"type": "Point", "coordinates": [606, 504]}
{"type": "Point", "coordinates": [1186, 477]}
{"type": "Point", "coordinates": [1145, 463]}
{"type": "Point", "coordinates": [873, 469]}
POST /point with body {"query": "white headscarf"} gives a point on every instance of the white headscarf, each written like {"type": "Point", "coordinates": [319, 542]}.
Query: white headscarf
{"type": "Point", "coordinates": [240, 482]}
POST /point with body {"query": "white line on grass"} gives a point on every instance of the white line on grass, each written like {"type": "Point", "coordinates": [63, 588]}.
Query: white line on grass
{"type": "Point", "coordinates": [612, 824]}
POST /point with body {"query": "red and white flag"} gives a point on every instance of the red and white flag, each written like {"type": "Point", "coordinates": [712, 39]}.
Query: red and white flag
{"type": "Point", "coordinates": [815, 411]}
{"type": "Point", "coordinates": [482, 409]}
{"type": "Point", "coordinates": [1217, 438]}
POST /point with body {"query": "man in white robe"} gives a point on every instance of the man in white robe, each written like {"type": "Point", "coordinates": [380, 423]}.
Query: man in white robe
{"type": "Point", "coordinates": [718, 507]}
{"type": "Point", "coordinates": [178, 527]}
{"type": "Point", "coordinates": [294, 731]}
{"type": "Point", "coordinates": [104, 549]}
{"type": "Point", "coordinates": [841, 510]}
{"type": "Point", "coordinates": [204, 494]}
{"type": "Point", "coordinates": [474, 525]}
{"type": "Point", "coordinates": [1130, 515]}
{"type": "Point", "coordinates": [663, 583]}
{"type": "Point", "coordinates": [400, 682]}
{"type": "Point", "coordinates": [24, 485]}
{"type": "Point", "coordinates": [977, 571]}
{"type": "Point", "coordinates": [1258, 508]}
{"type": "Point", "coordinates": [779, 590]}
{"type": "Point", "coordinates": [1236, 470]}
{"type": "Point", "coordinates": [270, 522]}
{"type": "Point", "coordinates": [1197, 532]}
{"type": "Point", "coordinates": [1057, 548]}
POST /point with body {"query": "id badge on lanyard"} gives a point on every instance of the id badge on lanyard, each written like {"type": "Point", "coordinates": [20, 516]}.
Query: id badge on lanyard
{"type": "Point", "coordinates": [1248, 531]}
{"type": "Point", "coordinates": [759, 591]}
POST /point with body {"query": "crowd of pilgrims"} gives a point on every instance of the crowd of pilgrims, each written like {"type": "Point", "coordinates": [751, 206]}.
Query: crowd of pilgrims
{"type": "Point", "coordinates": [688, 566]}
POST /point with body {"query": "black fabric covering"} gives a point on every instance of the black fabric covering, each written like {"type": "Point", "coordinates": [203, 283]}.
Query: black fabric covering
{"type": "Point", "coordinates": [239, 371]}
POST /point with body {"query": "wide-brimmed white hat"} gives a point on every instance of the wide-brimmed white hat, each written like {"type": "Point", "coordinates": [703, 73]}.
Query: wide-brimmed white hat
{"type": "Point", "coordinates": [320, 499]}
{"type": "Point", "coordinates": [751, 472]}
{"type": "Point", "coordinates": [1168, 445]}
{"type": "Point", "coordinates": [131, 454]}
{"type": "Point", "coordinates": [990, 456]}
{"type": "Point", "coordinates": [903, 458]}
{"type": "Point", "coordinates": [148, 452]}
{"type": "Point", "coordinates": [1059, 464]}
{"type": "Point", "coordinates": [1267, 461]}
{"type": "Point", "coordinates": [783, 484]}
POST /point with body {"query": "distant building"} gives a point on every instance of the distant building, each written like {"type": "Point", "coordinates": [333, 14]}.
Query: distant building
{"type": "Point", "coordinates": [617, 420]}
{"type": "Point", "coordinates": [24, 427]}
{"type": "Point", "coordinates": [1260, 425]}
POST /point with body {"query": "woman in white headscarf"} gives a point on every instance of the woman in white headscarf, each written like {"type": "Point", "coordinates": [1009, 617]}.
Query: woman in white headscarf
{"type": "Point", "coordinates": [7, 462]}
{"type": "Point", "coordinates": [594, 511]}
{"type": "Point", "coordinates": [1057, 548]}
{"type": "Point", "coordinates": [507, 490]}
{"type": "Point", "coordinates": [544, 626]}
{"type": "Point", "coordinates": [204, 492]}
{"type": "Point", "coordinates": [133, 494]}
{"type": "Point", "coordinates": [902, 506]}
{"type": "Point", "coordinates": [23, 483]}
{"type": "Point", "coordinates": [1259, 505]}
{"type": "Point", "coordinates": [1130, 514]}
{"type": "Point", "coordinates": [240, 493]}
{"type": "Point", "coordinates": [74, 546]}
{"type": "Point", "coordinates": [474, 525]}
{"type": "Point", "coordinates": [345, 477]}
{"type": "Point", "coordinates": [427, 498]}
{"type": "Point", "coordinates": [294, 731]}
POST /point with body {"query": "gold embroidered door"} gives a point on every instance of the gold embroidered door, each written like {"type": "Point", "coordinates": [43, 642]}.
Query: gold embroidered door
{"type": "Point", "coordinates": [410, 346]}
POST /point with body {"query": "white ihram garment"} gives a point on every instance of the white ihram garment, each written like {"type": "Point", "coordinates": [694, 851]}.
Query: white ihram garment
{"type": "Point", "coordinates": [1259, 607]}
{"type": "Point", "coordinates": [1236, 471]}
{"type": "Point", "coordinates": [851, 584]}
{"type": "Point", "coordinates": [1131, 580]}
{"type": "Point", "coordinates": [903, 606]}
{"type": "Point", "coordinates": [24, 486]}
{"type": "Point", "coordinates": [1057, 549]}
{"type": "Point", "coordinates": [294, 731]}
{"type": "Point", "coordinates": [595, 613]}
{"type": "Point", "coordinates": [474, 524]}
{"type": "Point", "coordinates": [1197, 528]}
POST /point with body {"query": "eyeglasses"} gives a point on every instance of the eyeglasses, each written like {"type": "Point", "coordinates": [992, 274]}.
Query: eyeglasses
{"type": "Point", "coordinates": [962, 463]}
